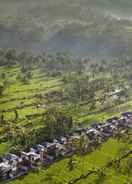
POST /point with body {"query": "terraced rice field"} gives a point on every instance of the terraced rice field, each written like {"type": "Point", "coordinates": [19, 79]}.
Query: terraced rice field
{"type": "Point", "coordinates": [18, 94]}
{"type": "Point", "coordinates": [59, 173]}
{"type": "Point", "coordinates": [22, 97]}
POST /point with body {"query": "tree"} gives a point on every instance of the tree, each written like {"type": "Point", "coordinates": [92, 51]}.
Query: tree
{"type": "Point", "coordinates": [10, 56]}
{"type": "Point", "coordinates": [1, 89]}
{"type": "Point", "coordinates": [57, 123]}
{"type": "Point", "coordinates": [16, 114]}
{"type": "Point", "coordinates": [2, 121]}
{"type": "Point", "coordinates": [82, 148]}
{"type": "Point", "coordinates": [71, 164]}
{"type": "Point", "coordinates": [3, 75]}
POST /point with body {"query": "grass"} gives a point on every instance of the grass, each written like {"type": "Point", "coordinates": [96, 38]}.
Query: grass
{"type": "Point", "coordinates": [3, 148]}
{"type": "Point", "coordinates": [17, 94]}
{"type": "Point", "coordinates": [59, 173]}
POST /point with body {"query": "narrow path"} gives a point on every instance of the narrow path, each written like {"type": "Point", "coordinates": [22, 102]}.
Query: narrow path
{"type": "Point", "coordinates": [90, 172]}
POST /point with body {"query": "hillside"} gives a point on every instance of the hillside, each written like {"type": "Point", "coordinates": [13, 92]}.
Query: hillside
{"type": "Point", "coordinates": [99, 29]}
{"type": "Point", "coordinates": [65, 91]}
{"type": "Point", "coordinates": [29, 90]}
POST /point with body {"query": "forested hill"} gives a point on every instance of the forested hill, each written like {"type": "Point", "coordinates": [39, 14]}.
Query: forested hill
{"type": "Point", "coordinates": [83, 27]}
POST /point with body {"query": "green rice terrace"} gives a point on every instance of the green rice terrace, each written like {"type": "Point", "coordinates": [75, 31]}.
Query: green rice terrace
{"type": "Point", "coordinates": [45, 97]}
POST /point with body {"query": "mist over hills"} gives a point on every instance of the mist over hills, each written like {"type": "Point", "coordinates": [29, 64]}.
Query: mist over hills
{"type": "Point", "coordinates": [83, 27]}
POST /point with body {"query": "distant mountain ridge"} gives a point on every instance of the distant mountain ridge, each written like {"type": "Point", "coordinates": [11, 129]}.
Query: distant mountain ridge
{"type": "Point", "coordinates": [87, 27]}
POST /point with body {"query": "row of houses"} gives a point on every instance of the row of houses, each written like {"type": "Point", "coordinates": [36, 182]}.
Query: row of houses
{"type": "Point", "coordinates": [12, 166]}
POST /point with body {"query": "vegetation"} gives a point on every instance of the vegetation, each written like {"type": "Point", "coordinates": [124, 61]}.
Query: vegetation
{"type": "Point", "coordinates": [47, 96]}
{"type": "Point", "coordinates": [60, 173]}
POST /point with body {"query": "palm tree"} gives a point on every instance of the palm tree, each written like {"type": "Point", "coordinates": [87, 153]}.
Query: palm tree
{"type": "Point", "coordinates": [2, 121]}
{"type": "Point", "coordinates": [82, 146]}
{"type": "Point", "coordinates": [56, 123]}
{"type": "Point", "coordinates": [10, 56]}
{"type": "Point", "coordinates": [1, 89]}
{"type": "Point", "coordinates": [16, 115]}
{"type": "Point", "coordinates": [71, 164]}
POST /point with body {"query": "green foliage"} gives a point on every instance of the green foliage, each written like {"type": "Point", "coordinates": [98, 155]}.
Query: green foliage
{"type": "Point", "coordinates": [1, 88]}
{"type": "Point", "coordinates": [40, 95]}
{"type": "Point", "coordinates": [57, 123]}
